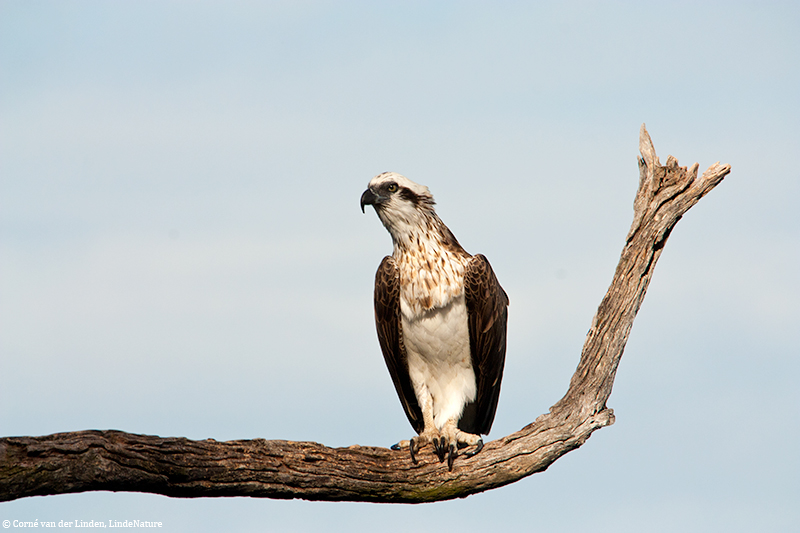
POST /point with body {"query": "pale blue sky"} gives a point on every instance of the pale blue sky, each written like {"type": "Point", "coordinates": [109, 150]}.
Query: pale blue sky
{"type": "Point", "coordinates": [182, 252]}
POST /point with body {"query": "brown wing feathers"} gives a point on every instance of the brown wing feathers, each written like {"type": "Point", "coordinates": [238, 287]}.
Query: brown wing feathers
{"type": "Point", "coordinates": [387, 321]}
{"type": "Point", "coordinates": [487, 304]}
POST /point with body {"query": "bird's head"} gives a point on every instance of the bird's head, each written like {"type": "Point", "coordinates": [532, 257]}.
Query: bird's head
{"type": "Point", "coordinates": [406, 210]}
{"type": "Point", "coordinates": [400, 203]}
{"type": "Point", "coordinates": [391, 192]}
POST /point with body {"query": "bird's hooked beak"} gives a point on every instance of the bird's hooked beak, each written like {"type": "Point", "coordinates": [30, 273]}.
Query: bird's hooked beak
{"type": "Point", "coordinates": [368, 198]}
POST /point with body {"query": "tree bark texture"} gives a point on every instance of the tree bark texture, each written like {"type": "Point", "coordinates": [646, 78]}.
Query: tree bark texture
{"type": "Point", "coordinates": [117, 461]}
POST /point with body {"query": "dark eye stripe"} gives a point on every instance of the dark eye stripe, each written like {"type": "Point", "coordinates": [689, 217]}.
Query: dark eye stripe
{"type": "Point", "coordinates": [409, 195]}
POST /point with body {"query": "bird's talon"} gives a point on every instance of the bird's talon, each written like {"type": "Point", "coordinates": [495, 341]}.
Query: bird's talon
{"type": "Point", "coordinates": [476, 451]}
{"type": "Point", "coordinates": [440, 447]}
{"type": "Point", "coordinates": [451, 456]}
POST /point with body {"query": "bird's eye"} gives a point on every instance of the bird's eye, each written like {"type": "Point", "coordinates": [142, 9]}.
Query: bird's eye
{"type": "Point", "coordinates": [392, 187]}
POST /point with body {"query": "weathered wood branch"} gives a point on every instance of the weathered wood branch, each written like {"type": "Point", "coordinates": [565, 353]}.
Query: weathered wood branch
{"type": "Point", "coordinates": [117, 461]}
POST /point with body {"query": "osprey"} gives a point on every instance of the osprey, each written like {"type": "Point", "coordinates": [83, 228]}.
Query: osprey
{"type": "Point", "coordinates": [441, 318]}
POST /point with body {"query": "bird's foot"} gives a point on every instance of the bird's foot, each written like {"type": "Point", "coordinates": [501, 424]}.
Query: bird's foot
{"type": "Point", "coordinates": [452, 440]}
{"type": "Point", "coordinates": [426, 437]}
{"type": "Point", "coordinates": [415, 444]}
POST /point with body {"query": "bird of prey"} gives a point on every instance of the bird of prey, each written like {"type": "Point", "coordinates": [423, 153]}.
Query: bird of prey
{"type": "Point", "coordinates": [441, 317]}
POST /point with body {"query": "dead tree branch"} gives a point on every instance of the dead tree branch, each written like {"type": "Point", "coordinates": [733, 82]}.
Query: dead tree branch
{"type": "Point", "coordinates": [117, 461]}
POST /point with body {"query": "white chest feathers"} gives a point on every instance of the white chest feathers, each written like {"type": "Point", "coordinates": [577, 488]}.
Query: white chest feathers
{"type": "Point", "coordinates": [439, 361]}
